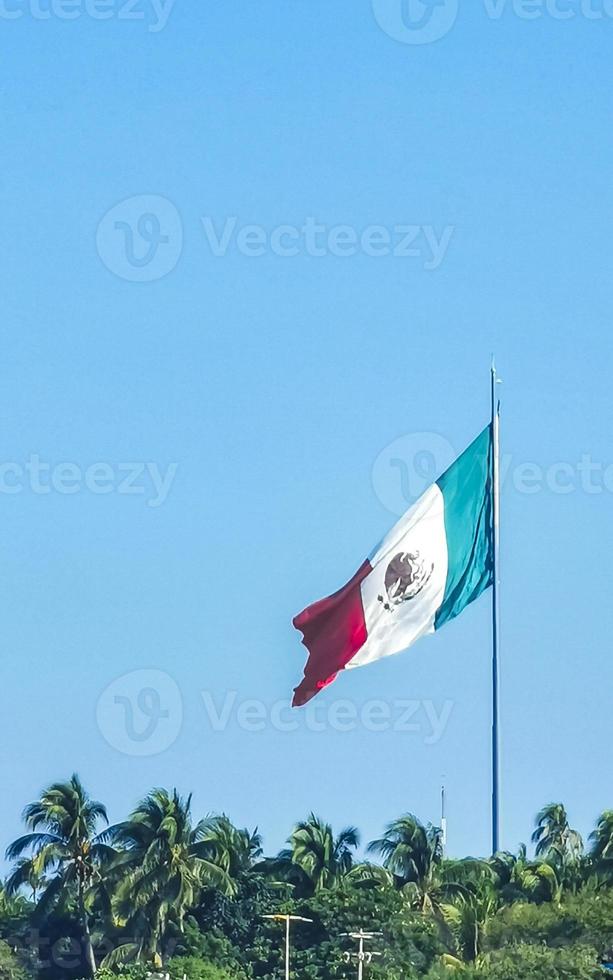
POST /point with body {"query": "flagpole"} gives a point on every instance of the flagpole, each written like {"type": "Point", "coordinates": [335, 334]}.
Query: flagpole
{"type": "Point", "coordinates": [495, 616]}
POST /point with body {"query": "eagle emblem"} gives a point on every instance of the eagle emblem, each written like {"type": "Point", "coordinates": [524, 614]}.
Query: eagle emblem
{"type": "Point", "coordinates": [405, 577]}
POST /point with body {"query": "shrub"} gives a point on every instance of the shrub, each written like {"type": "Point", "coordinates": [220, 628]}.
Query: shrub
{"type": "Point", "coordinates": [194, 968]}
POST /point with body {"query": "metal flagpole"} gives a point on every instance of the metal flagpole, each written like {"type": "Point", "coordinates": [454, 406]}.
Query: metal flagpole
{"type": "Point", "coordinates": [495, 617]}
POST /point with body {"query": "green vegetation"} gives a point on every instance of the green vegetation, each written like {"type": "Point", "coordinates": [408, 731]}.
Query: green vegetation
{"type": "Point", "coordinates": [165, 892]}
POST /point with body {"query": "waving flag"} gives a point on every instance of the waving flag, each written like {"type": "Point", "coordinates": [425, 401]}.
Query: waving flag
{"type": "Point", "coordinates": [436, 560]}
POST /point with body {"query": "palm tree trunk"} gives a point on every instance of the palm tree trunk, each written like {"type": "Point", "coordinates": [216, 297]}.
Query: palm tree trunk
{"type": "Point", "coordinates": [155, 938]}
{"type": "Point", "coordinates": [90, 959]}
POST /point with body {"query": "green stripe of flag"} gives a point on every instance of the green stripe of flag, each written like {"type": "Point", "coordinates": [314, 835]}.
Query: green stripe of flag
{"type": "Point", "coordinates": [467, 494]}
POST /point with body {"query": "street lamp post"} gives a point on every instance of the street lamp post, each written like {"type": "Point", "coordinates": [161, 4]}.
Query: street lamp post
{"type": "Point", "coordinates": [288, 919]}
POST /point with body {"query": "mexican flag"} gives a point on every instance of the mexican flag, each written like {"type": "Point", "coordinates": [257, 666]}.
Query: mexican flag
{"type": "Point", "coordinates": [436, 560]}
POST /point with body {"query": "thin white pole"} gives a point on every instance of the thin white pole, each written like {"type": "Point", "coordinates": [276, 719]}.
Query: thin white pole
{"type": "Point", "coordinates": [287, 919]}
{"type": "Point", "coordinates": [287, 922]}
{"type": "Point", "coordinates": [362, 956]}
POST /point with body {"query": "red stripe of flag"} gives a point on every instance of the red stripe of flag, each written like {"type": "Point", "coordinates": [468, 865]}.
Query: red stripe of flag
{"type": "Point", "coordinates": [333, 631]}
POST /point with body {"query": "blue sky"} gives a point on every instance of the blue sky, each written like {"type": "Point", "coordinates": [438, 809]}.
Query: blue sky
{"type": "Point", "coordinates": [272, 384]}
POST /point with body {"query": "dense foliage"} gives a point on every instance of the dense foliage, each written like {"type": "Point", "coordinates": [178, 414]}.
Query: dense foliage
{"type": "Point", "coordinates": [162, 894]}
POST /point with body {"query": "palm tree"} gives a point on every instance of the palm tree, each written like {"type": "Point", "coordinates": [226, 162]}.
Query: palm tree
{"type": "Point", "coordinates": [554, 837]}
{"type": "Point", "coordinates": [365, 874]}
{"type": "Point", "coordinates": [413, 854]}
{"type": "Point", "coordinates": [467, 919]}
{"type": "Point", "coordinates": [64, 845]}
{"type": "Point", "coordinates": [321, 858]}
{"type": "Point", "coordinates": [27, 873]}
{"type": "Point", "coordinates": [235, 851]}
{"type": "Point", "coordinates": [165, 863]}
{"type": "Point", "coordinates": [13, 906]}
{"type": "Point", "coordinates": [519, 879]}
{"type": "Point", "coordinates": [602, 844]}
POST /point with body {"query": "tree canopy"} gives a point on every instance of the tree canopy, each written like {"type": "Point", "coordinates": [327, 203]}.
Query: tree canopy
{"type": "Point", "coordinates": [165, 892]}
